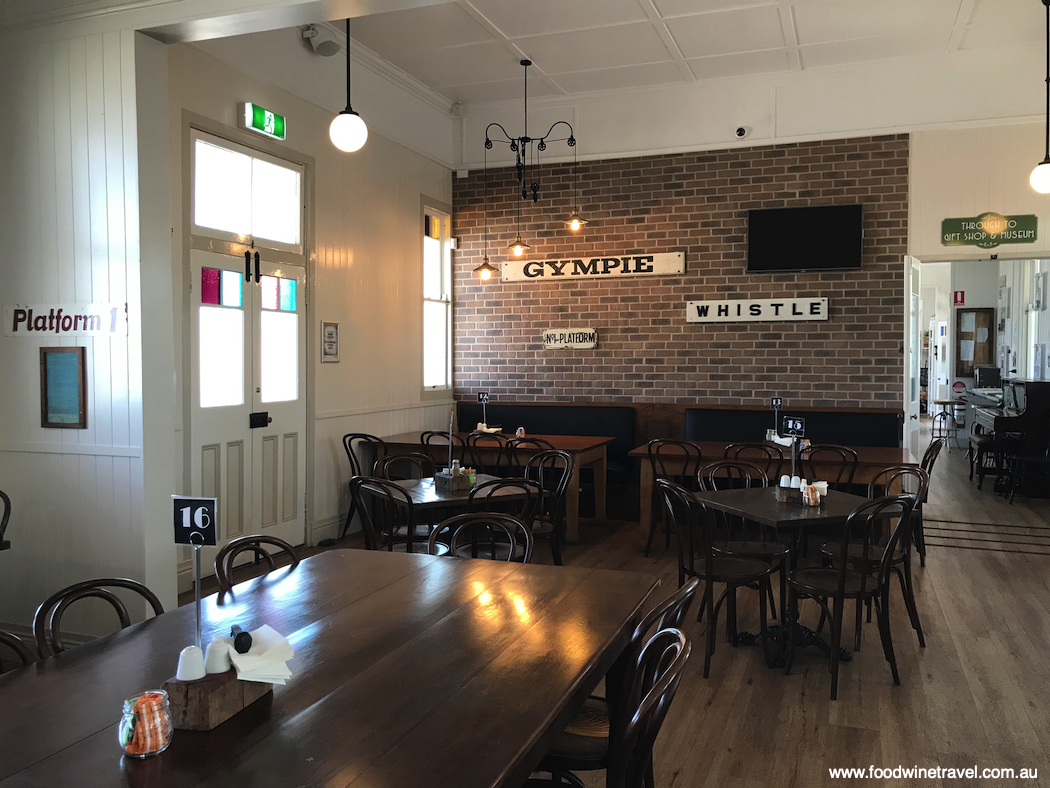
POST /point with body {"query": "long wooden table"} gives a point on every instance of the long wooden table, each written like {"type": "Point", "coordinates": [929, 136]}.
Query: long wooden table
{"type": "Point", "coordinates": [409, 670]}
{"type": "Point", "coordinates": [585, 449]}
{"type": "Point", "coordinates": [871, 460]}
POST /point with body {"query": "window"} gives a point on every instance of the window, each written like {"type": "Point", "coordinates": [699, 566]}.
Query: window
{"type": "Point", "coordinates": [268, 212]}
{"type": "Point", "coordinates": [221, 339]}
{"type": "Point", "coordinates": [437, 300]}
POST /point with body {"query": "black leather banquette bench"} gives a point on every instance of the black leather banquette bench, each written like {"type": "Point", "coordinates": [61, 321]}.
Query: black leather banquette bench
{"type": "Point", "coordinates": [846, 426]}
{"type": "Point", "coordinates": [542, 418]}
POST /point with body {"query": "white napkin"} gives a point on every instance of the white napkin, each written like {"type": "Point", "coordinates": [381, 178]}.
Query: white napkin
{"type": "Point", "coordinates": [265, 660]}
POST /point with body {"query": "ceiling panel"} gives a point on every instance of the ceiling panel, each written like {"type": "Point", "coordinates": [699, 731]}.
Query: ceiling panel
{"type": "Point", "coordinates": [877, 48]}
{"type": "Point", "coordinates": [429, 27]}
{"type": "Point", "coordinates": [519, 18]}
{"type": "Point", "coordinates": [983, 37]}
{"type": "Point", "coordinates": [459, 65]}
{"type": "Point", "coordinates": [669, 8]}
{"type": "Point", "coordinates": [1001, 13]}
{"type": "Point", "coordinates": [833, 20]}
{"type": "Point", "coordinates": [586, 50]}
{"type": "Point", "coordinates": [746, 30]}
{"type": "Point", "coordinates": [740, 64]}
{"type": "Point", "coordinates": [646, 75]}
{"type": "Point", "coordinates": [503, 90]}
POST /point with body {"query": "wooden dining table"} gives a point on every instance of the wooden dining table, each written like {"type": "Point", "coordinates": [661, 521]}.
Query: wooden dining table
{"type": "Point", "coordinates": [409, 670]}
{"type": "Point", "coordinates": [585, 450]}
{"type": "Point", "coordinates": [871, 460]}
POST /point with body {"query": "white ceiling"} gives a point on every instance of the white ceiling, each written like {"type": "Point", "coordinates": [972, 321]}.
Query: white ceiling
{"type": "Point", "coordinates": [469, 50]}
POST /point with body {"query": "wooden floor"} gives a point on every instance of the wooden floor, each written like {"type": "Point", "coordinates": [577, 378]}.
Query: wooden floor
{"type": "Point", "coordinates": [978, 694]}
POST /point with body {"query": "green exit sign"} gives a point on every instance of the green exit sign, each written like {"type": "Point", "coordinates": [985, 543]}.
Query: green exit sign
{"type": "Point", "coordinates": [264, 121]}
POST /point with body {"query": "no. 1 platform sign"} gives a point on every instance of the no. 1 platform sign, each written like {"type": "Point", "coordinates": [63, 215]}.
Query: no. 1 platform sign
{"type": "Point", "coordinates": [195, 521]}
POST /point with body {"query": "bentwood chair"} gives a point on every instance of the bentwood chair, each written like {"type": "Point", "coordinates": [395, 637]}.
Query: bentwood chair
{"type": "Point", "coordinates": [738, 536]}
{"type": "Point", "coordinates": [18, 646]}
{"type": "Point", "coordinates": [551, 469]}
{"type": "Point", "coordinates": [253, 543]}
{"type": "Point", "coordinates": [388, 516]}
{"type": "Point", "coordinates": [695, 532]}
{"type": "Point", "coordinates": [891, 481]}
{"type": "Point", "coordinates": [436, 445]}
{"type": "Point", "coordinates": [677, 461]}
{"type": "Point", "coordinates": [516, 495]}
{"type": "Point", "coordinates": [406, 465]}
{"type": "Point", "coordinates": [585, 742]}
{"type": "Point", "coordinates": [851, 576]}
{"type": "Point", "coordinates": [518, 451]}
{"type": "Point", "coordinates": [47, 621]}
{"type": "Point", "coordinates": [6, 501]}
{"type": "Point", "coordinates": [355, 444]}
{"type": "Point", "coordinates": [929, 459]}
{"type": "Point", "coordinates": [837, 465]}
{"type": "Point", "coordinates": [482, 444]}
{"type": "Point", "coordinates": [767, 456]}
{"type": "Point", "coordinates": [493, 535]}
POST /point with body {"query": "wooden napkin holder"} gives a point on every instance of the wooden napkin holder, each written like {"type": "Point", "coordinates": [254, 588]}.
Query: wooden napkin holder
{"type": "Point", "coordinates": [446, 482]}
{"type": "Point", "coordinates": [208, 702]}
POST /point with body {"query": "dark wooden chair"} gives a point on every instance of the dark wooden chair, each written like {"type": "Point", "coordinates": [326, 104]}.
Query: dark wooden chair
{"type": "Point", "coordinates": [494, 535]}
{"type": "Point", "coordinates": [551, 469]}
{"type": "Point", "coordinates": [406, 465]}
{"type": "Point", "coordinates": [677, 461]}
{"type": "Point", "coordinates": [739, 537]}
{"type": "Point", "coordinates": [585, 742]}
{"type": "Point", "coordinates": [850, 576]}
{"type": "Point", "coordinates": [767, 456]}
{"type": "Point", "coordinates": [435, 445]}
{"type": "Point", "coordinates": [518, 451]}
{"type": "Point", "coordinates": [489, 497]}
{"type": "Point", "coordinates": [359, 466]}
{"type": "Point", "coordinates": [487, 443]}
{"type": "Point", "coordinates": [1026, 470]}
{"type": "Point", "coordinates": [837, 465]}
{"type": "Point", "coordinates": [695, 531]}
{"type": "Point", "coordinates": [6, 501]}
{"type": "Point", "coordinates": [929, 459]}
{"type": "Point", "coordinates": [891, 481]}
{"type": "Point", "coordinates": [47, 621]}
{"type": "Point", "coordinates": [252, 543]}
{"type": "Point", "coordinates": [388, 516]}
{"type": "Point", "coordinates": [18, 646]}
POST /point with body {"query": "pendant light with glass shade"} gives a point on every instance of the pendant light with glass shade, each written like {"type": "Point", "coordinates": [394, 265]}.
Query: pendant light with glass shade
{"type": "Point", "coordinates": [575, 222]}
{"type": "Point", "coordinates": [486, 270]}
{"type": "Point", "coordinates": [348, 131]}
{"type": "Point", "coordinates": [1040, 177]}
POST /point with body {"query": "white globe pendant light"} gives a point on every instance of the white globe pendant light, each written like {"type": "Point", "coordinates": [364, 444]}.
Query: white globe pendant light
{"type": "Point", "coordinates": [1040, 177]}
{"type": "Point", "coordinates": [348, 131]}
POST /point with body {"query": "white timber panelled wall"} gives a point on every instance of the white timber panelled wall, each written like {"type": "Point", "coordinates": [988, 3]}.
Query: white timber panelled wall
{"type": "Point", "coordinates": [84, 503]}
{"type": "Point", "coordinates": [365, 269]}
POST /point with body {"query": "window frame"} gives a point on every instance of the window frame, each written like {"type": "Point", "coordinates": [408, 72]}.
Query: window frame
{"type": "Point", "coordinates": [443, 213]}
{"type": "Point", "coordinates": [230, 237]}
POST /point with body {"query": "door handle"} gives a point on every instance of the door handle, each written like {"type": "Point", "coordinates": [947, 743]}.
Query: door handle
{"type": "Point", "coordinates": [261, 419]}
{"type": "Point", "coordinates": [247, 266]}
{"type": "Point", "coordinates": [914, 417]}
{"type": "Point", "coordinates": [257, 268]}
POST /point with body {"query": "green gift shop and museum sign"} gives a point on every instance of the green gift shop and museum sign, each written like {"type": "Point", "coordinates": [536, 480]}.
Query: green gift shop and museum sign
{"type": "Point", "coordinates": [989, 230]}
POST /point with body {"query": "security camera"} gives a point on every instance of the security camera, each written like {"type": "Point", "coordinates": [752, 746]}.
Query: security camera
{"type": "Point", "coordinates": [743, 131]}
{"type": "Point", "coordinates": [321, 41]}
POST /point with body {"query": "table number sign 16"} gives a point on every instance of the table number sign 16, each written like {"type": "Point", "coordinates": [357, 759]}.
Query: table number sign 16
{"type": "Point", "coordinates": [195, 521]}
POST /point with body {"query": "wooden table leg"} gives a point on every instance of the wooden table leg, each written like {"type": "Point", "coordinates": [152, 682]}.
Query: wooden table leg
{"type": "Point", "coordinates": [572, 505]}
{"type": "Point", "coordinates": [645, 497]}
{"type": "Point", "coordinates": [601, 470]}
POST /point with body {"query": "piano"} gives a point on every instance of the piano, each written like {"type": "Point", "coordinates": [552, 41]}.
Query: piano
{"type": "Point", "coordinates": [1017, 423]}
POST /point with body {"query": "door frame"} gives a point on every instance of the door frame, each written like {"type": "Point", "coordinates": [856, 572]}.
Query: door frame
{"type": "Point", "coordinates": [911, 438]}
{"type": "Point", "coordinates": [192, 121]}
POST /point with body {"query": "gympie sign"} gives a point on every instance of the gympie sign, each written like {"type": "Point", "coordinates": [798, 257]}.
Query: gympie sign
{"type": "Point", "coordinates": [754, 311]}
{"type": "Point", "coordinates": [666, 264]}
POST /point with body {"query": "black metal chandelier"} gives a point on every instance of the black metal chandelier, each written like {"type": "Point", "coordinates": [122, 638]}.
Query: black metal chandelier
{"type": "Point", "coordinates": [527, 152]}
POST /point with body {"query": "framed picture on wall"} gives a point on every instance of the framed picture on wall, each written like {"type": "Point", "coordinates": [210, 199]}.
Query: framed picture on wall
{"type": "Point", "coordinates": [974, 340]}
{"type": "Point", "coordinates": [329, 342]}
{"type": "Point", "coordinates": [63, 388]}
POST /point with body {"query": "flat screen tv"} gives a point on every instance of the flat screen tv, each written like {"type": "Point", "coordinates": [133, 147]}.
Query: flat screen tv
{"type": "Point", "coordinates": [817, 238]}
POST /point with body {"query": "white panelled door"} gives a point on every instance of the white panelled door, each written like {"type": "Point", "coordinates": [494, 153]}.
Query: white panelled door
{"type": "Point", "coordinates": [248, 409]}
{"type": "Point", "coordinates": [912, 346]}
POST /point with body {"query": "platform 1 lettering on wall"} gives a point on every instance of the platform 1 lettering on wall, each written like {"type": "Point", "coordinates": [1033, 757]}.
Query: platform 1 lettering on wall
{"type": "Point", "coordinates": [570, 337]}
{"type": "Point", "coordinates": [743, 311]}
{"type": "Point", "coordinates": [612, 266]}
{"type": "Point", "coordinates": [65, 320]}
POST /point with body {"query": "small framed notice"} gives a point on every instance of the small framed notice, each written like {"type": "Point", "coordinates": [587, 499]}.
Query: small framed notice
{"type": "Point", "coordinates": [329, 341]}
{"type": "Point", "coordinates": [63, 388]}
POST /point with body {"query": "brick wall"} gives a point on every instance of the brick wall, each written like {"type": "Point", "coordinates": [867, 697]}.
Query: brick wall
{"type": "Point", "coordinates": [696, 203]}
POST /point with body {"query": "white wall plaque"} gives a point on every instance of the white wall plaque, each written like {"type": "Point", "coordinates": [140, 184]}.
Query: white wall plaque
{"type": "Point", "coordinates": [752, 311]}
{"type": "Point", "coordinates": [604, 267]}
{"type": "Point", "coordinates": [570, 337]}
{"type": "Point", "coordinates": [65, 320]}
